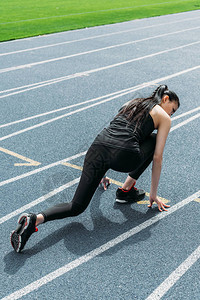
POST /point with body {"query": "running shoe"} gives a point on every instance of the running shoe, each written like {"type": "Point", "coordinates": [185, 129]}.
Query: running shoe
{"type": "Point", "coordinates": [26, 226]}
{"type": "Point", "coordinates": [132, 195]}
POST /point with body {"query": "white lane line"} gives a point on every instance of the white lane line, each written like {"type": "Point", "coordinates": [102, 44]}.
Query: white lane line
{"type": "Point", "coordinates": [85, 102]}
{"type": "Point", "coordinates": [60, 109]}
{"type": "Point", "coordinates": [39, 200]}
{"type": "Point", "coordinates": [161, 290]}
{"type": "Point", "coordinates": [90, 12]}
{"type": "Point", "coordinates": [29, 65]}
{"type": "Point", "coordinates": [86, 73]}
{"type": "Point", "coordinates": [31, 204]}
{"type": "Point", "coordinates": [126, 91]}
{"type": "Point", "coordinates": [59, 79]}
{"type": "Point", "coordinates": [42, 83]}
{"type": "Point", "coordinates": [63, 116]}
{"type": "Point", "coordinates": [185, 122]}
{"type": "Point", "coordinates": [186, 113]}
{"type": "Point", "coordinates": [97, 36]}
{"type": "Point", "coordinates": [13, 179]}
{"type": "Point", "coordinates": [92, 254]}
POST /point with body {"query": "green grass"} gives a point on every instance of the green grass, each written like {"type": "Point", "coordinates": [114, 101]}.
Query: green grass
{"type": "Point", "coordinates": [25, 18]}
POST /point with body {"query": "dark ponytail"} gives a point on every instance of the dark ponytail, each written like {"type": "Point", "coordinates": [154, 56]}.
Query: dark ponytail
{"type": "Point", "coordinates": [159, 93]}
{"type": "Point", "coordinates": [138, 109]}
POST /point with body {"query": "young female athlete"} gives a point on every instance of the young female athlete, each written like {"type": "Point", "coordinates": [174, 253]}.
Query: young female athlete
{"type": "Point", "coordinates": [126, 145]}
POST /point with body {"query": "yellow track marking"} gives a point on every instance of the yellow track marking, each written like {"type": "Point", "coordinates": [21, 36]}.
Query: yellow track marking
{"type": "Point", "coordinates": [161, 198]}
{"type": "Point", "coordinates": [118, 183]}
{"type": "Point", "coordinates": [147, 201]}
{"type": "Point", "coordinates": [72, 166]}
{"type": "Point", "coordinates": [197, 200]}
{"type": "Point", "coordinates": [30, 161]}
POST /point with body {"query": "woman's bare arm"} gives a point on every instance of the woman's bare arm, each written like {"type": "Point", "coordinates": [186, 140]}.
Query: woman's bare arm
{"type": "Point", "coordinates": [164, 124]}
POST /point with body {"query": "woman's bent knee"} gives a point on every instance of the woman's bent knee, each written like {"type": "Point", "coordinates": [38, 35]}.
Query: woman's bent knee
{"type": "Point", "coordinates": [76, 209]}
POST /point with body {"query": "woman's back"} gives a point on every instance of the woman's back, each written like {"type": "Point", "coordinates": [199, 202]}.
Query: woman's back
{"type": "Point", "coordinates": [122, 134]}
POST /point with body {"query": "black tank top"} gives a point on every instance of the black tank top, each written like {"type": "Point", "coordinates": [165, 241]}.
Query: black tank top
{"type": "Point", "coordinates": [120, 133]}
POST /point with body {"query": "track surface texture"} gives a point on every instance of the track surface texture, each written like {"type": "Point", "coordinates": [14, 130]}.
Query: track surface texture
{"type": "Point", "coordinates": [57, 92]}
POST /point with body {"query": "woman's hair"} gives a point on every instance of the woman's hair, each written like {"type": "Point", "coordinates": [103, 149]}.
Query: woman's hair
{"type": "Point", "coordinates": [138, 109]}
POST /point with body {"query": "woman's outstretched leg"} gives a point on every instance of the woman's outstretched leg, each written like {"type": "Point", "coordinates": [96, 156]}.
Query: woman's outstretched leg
{"type": "Point", "coordinates": [93, 170]}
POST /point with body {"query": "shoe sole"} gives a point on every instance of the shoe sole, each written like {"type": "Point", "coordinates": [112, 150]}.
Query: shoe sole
{"type": "Point", "coordinates": [15, 240]}
{"type": "Point", "coordinates": [140, 197]}
{"type": "Point", "coordinates": [121, 201]}
{"type": "Point", "coordinates": [15, 237]}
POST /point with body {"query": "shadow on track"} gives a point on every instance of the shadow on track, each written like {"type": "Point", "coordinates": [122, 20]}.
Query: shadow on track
{"type": "Point", "coordinates": [79, 240]}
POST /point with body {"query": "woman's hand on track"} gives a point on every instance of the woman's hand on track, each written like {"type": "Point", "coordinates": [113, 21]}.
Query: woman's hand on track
{"type": "Point", "coordinates": [105, 182]}
{"type": "Point", "coordinates": [161, 205]}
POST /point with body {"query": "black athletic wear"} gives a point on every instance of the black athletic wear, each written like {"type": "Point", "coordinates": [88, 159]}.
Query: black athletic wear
{"type": "Point", "coordinates": [121, 134]}
{"type": "Point", "coordinates": [118, 148]}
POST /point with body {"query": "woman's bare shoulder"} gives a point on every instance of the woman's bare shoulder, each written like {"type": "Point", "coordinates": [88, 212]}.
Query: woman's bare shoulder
{"type": "Point", "coordinates": [159, 115]}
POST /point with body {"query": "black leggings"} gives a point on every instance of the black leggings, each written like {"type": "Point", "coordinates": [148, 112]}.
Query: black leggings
{"type": "Point", "coordinates": [98, 160]}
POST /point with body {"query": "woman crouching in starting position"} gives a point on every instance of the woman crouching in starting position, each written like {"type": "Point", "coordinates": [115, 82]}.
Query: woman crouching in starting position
{"type": "Point", "coordinates": [126, 145]}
